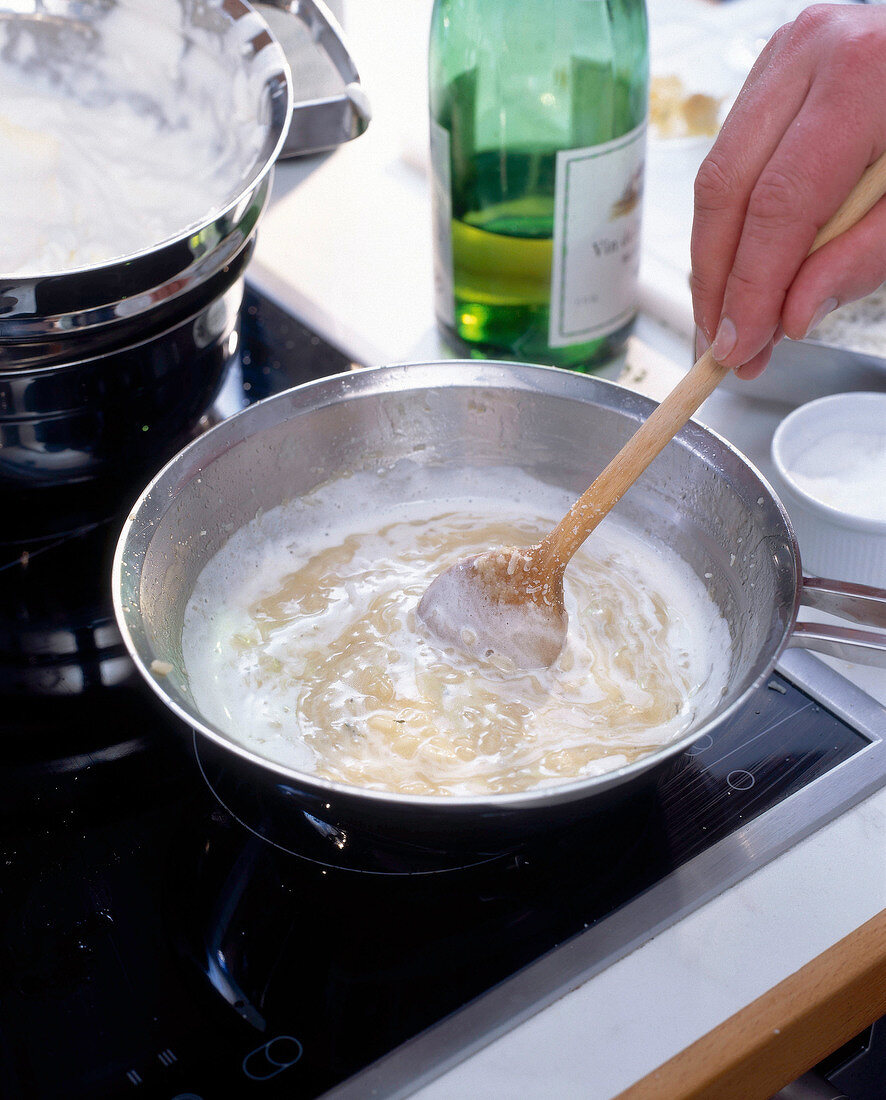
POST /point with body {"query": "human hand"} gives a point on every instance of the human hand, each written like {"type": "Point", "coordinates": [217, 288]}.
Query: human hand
{"type": "Point", "coordinates": [808, 121]}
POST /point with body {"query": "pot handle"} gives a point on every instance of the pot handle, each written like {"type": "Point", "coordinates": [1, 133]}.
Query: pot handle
{"type": "Point", "coordinates": [857, 602]}
{"type": "Point", "coordinates": [318, 125]}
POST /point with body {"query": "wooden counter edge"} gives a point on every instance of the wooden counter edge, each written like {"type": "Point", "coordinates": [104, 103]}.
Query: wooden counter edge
{"type": "Point", "coordinates": [786, 1031]}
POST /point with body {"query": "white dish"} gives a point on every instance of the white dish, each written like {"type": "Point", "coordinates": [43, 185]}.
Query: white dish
{"type": "Point", "coordinates": [830, 457]}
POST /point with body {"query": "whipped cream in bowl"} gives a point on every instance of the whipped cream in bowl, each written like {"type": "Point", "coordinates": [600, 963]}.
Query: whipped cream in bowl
{"type": "Point", "coordinates": [137, 139]}
{"type": "Point", "coordinates": [124, 127]}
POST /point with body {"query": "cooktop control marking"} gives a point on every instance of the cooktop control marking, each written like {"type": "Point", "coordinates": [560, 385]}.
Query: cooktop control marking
{"type": "Point", "coordinates": [272, 1057]}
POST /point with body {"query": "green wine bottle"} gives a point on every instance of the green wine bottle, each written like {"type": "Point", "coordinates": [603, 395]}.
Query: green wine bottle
{"type": "Point", "coordinates": [538, 124]}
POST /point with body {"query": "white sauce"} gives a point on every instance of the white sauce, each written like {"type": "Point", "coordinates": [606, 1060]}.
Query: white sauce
{"type": "Point", "coordinates": [301, 641]}
{"type": "Point", "coordinates": [106, 154]}
{"type": "Point", "coordinates": [846, 470]}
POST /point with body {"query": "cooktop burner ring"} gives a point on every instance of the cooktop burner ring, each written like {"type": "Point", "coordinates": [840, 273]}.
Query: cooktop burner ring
{"type": "Point", "coordinates": [307, 838]}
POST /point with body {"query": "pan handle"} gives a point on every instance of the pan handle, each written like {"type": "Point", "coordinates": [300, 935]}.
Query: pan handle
{"type": "Point", "coordinates": [857, 602]}
{"type": "Point", "coordinates": [321, 124]}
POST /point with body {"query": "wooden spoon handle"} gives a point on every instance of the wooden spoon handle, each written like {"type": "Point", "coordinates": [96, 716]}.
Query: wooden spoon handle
{"type": "Point", "coordinates": [863, 196]}
{"type": "Point", "coordinates": [674, 412]}
{"type": "Point", "coordinates": [653, 435]}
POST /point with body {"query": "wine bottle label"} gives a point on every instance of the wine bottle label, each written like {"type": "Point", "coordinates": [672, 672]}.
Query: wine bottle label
{"type": "Point", "coordinates": [596, 240]}
{"type": "Point", "coordinates": [441, 205]}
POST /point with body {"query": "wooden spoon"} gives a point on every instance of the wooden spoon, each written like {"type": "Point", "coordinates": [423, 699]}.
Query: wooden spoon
{"type": "Point", "coordinates": [509, 601]}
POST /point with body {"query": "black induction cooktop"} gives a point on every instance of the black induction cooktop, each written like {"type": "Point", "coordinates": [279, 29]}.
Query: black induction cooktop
{"type": "Point", "coordinates": [153, 944]}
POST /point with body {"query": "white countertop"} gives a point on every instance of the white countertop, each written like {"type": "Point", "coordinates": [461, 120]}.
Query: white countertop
{"type": "Point", "coordinates": [346, 244]}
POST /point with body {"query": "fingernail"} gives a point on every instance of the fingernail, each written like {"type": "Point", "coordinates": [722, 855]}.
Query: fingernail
{"type": "Point", "coordinates": [725, 340]}
{"type": "Point", "coordinates": [826, 307]}
{"type": "Point", "coordinates": [702, 343]}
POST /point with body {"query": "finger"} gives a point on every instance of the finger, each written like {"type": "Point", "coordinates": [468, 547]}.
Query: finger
{"type": "Point", "coordinates": [746, 141]}
{"type": "Point", "coordinates": [755, 366]}
{"type": "Point", "coordinates": [848, 268]}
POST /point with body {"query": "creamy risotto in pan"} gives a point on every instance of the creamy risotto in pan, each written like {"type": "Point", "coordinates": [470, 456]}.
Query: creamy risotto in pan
{"type": "Point", "coordinates": [301, 641]}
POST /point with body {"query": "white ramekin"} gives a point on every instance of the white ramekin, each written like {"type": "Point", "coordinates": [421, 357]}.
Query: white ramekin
{"type": "Point", "coordinates": [833, 542]}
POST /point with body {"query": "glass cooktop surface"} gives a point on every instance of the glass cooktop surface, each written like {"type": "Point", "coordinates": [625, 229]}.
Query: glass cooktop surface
{"type": "Point", "coordinates": [153, 945]}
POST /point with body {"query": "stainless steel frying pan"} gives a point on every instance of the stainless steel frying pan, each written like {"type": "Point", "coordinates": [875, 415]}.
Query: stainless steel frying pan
{"type": "Point", "coordinates": [700, 496]}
